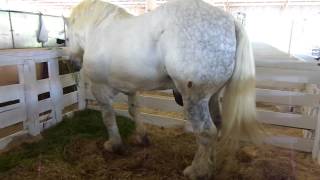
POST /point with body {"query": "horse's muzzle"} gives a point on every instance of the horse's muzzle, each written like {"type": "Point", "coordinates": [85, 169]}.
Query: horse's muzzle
{"type": "Point", "coordinates": [76, 65]}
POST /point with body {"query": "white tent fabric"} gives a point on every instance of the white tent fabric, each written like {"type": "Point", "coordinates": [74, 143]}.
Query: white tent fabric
{"type": "Point", "coordinates": [42, 32]}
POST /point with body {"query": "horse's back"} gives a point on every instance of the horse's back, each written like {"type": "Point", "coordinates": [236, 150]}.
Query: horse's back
{"type": "Point", "coordinates": [199, 44]}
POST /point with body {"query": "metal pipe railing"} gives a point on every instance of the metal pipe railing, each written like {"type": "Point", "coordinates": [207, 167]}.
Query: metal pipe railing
{"type": "Point", "coordinates": [28, 13]}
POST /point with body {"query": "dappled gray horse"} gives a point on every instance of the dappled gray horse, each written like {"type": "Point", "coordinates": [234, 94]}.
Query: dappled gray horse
{"type": "Point", "coordinates": [186, 45]}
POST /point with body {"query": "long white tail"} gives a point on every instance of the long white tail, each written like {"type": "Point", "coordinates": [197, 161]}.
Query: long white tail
{"type": "Point", "coordinates": [239, 104]}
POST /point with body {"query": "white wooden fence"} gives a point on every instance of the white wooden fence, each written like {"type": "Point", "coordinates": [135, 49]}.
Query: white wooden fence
{"type": "Point", "coordinates": [276, 82]}
{"type": "Point", "coordinates": [20, 110]}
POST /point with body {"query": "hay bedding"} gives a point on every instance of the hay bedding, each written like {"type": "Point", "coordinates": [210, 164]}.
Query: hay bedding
{"type": "Point", "coordinates": [171, 151]}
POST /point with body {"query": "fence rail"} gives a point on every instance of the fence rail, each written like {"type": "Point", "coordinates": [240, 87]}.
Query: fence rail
{"type": "Point", "coordinates": [22, 112]}
{"type": "Point", "coordinates": [20, 103]}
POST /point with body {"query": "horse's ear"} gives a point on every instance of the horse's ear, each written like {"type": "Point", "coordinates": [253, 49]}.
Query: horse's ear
{"type": "Point", "coordinates": [66, 20]}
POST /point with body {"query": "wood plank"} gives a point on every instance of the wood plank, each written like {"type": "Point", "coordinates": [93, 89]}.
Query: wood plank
{"type": "Point", "coordinates": [161, 121]}
{"type": "Point", "coordinates": [8, 75]}
{"type": "Point", "coordinates": [81, 90]}
{"type": "Point", "coordinates": [11, 92]}
{"type": "Point", "coordinates": [56, 92]}
{"type": "Point", "coordinates": [287, 97]}
{"type": "Point", "coordinates": [279, 85]}
{"type": "Point", "coordinates": [45, 105]}
{"type": "Point", "coordinates": [153, 102]}
{"type": "Point", "coordinates": [70, 108]}
{"type": "Point", "coordinates": [285, 119]}
{"type": "Point", "coordinates": [272, 62]}
{"type": "Point", "coordinates": [160, 103]}
{"type": "Point", "coordinates": [121, 98]}
{"type": "Point", "coordinates": [68, 79]}
{"type": "Point", "coordinates": [4, 142]}
{"type": "Point", "coordinates": [30, 81]}
{"type": "Point", "coordinates": [7, 131]}
{"type": "Point", "coordinates": [287, 75]}
{"type": "Point", "coordinates": [294, 143]}
{"type": "Point", "coordinates": [46, 117]}
{"type": "Point", "coordinates": [43, 86]}
{"type": "Point", "coordinates": [316, 146]}
{"type": "Point", "coordinates": [13, 116]}
{"type": "Point", "coordinates": [69, 99]}
{"type": "Point", "coordinates": [11, 107]}
{"type": "Point", "coordinates": [47, 124]}
{"type": "Point", "coordinates": [18, 56]}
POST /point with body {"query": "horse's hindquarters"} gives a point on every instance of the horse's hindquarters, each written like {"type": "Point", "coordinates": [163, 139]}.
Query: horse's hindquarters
{"type": "Point", "coordinates": [200, 49]}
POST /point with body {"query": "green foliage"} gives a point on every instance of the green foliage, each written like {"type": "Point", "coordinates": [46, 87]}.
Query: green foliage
{"type": "Point", "coordinates": [84, 124]}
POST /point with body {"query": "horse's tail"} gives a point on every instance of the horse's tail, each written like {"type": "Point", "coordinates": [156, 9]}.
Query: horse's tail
{"type": "Point", "coordinates": [238, 104]}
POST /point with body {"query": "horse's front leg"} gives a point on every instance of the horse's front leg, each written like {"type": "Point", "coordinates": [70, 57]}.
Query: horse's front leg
{"type": "Point", "coordinates": [198, 114]}
{"type": "Point", "coordinates": [114, 143]}
{"type": "Point", "coordinates": [140, 134]}
{"type": "Point", "coordinates": [104, 96]}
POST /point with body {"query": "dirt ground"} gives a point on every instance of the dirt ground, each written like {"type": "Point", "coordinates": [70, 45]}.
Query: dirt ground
{"type": "Point", "coordinates": [170, 152]}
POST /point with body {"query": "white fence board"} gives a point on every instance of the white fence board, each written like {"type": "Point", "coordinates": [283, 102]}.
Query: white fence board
{"type": "Point", "coordinates": [49, 123]}
{"type": "Point", "coordinates": [43, 86]}
{"type": "Point", "coordinates": [294, 143]}
{"type": "Point", "coordinates": [316, 147]}
{"type": "Point", "coordinates": [287, 75]}
{"type": "Point", "coordinates": [6, 140]}
{"type": "Point", "coordinates": [161, 103]}
{"type": "Point", "coordinates": [285, 119]}
{"type": "Point", "coordinates": [279, 85]}
{"type": "Point", "coordinates": [56, 92]}
{"type": "Point", "coordinates": [153, 102]}
{"type": "Point", "coordinates": [68, 79]}
{"type": "Point", "coordinates": [71, 98]}
{"type": "Point", "coordinates": [11, 92]}
{"type": "Point", "coordinates": [287, 97]}
{"type": "Point", "coordinates": [11, 107]}
{"type": "Point", "coordinates": [81, 91]}
{"type": "Point", "coordinates": [46, 117]}
{"type": "Point", "coordinates": [13, 116]}
{"type": "Point", "coordinates": [287, 64]}
{"type": "Point", "coordinates": [161, 121]}
{"type": "Point", "coordinates": [18, 56]}
{"type": "Point", "coordinates": [31, 83]}
{"type": "Point", "coordinates": [45, 105]}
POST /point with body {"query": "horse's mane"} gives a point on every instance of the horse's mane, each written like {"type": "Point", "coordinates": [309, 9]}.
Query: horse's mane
{"type": "Point", "coordinates": [94, 11]}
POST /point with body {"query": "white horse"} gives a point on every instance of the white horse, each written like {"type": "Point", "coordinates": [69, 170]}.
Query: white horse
{"type": "Point", "coordinates": [187, 45]}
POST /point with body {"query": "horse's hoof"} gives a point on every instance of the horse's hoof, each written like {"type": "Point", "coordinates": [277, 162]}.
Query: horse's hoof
{"type": "Point", "coordinates": [193, 174]}
{"type": "Point", "coordinates": [143, 140]}
{"type": "Point", "coordinates": [114, 148]}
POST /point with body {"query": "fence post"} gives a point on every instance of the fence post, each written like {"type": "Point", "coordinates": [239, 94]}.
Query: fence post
{"type": "Point", "coordinates": [22, 82]}
{"type": "Point", "coordinates": [81, 91]}
{"type": "Point", "coordinates": [56, 92]}
{"type": "Point", "coordinates": [31, 97]}
{"type": "Point", "coordinates": [316, 145]}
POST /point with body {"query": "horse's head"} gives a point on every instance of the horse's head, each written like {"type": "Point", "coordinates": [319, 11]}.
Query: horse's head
{"type": "Point", "coordinates": [84, 18]}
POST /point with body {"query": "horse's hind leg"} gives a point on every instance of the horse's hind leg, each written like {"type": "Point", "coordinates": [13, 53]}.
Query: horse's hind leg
{"type": "Point", "coordinates": [214, 107]}
{"type": "Point", "coordinates": [140, 134]}
{"type": "Point", "coordinates": [104, 95]}
{"type": "Point", "coordinates": [197, 112]}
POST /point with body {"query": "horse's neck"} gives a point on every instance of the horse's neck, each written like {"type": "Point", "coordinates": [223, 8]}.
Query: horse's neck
{"type": "Point", "coordinates": [116, 13]}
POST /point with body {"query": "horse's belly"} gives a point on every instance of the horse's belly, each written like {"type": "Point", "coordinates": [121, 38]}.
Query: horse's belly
{"type": "Point", "coordinates": [126, 76]}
